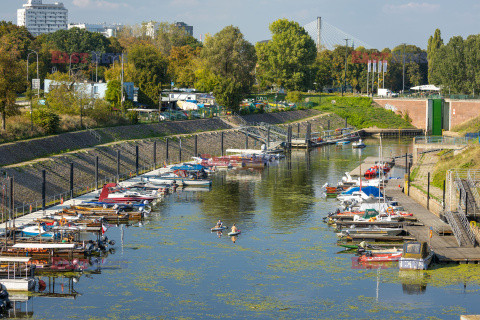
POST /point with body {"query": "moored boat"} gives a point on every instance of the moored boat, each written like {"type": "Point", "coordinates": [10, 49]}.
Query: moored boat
{"type": "Point", "coordinates": [416, 256]}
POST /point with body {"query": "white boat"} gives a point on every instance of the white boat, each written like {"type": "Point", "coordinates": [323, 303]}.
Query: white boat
{"type": "Point", "coordinates": [18, 277]}
{"type": "Point", "coordinates": [373, 230]}
{"type": "Point", "coordinates": [416, 256]}
{"type": "Point", "coordinates": [173, 178]}
{"type": "Point", "coordinates": [33, 231]}
{"type": "Point", "coordinates": [358, 144]}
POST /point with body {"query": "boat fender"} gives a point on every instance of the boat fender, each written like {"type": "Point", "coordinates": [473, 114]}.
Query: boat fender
{"type": "Point", "coordinates": [111, 242]}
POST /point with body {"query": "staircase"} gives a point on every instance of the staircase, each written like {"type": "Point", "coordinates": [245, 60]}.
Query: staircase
{"type": "Point", "coordinates": [461, 229]}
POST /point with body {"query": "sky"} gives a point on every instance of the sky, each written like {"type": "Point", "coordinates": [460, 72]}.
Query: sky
{"type": "Point", "coordinates": [379, 23]}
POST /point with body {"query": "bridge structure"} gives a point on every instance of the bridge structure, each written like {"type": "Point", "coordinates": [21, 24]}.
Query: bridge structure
{"type": "Point", "coordinates": [328, 36]}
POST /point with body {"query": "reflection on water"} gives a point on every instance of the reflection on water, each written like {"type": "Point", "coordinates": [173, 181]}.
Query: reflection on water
{"type": "Point", "coordinates": [283, 265]}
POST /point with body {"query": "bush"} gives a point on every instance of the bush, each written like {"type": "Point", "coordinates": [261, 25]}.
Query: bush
{"type": "Point", "coordinates": [294, 96]}
{"type": "Point", "coordinates": [47, 120]}
{"type": "Point", "coordinates": [132, 117]}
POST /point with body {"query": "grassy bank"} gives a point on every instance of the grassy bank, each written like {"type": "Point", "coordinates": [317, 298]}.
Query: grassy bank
{"type": "Point", "coordinates": [469, 159]}
{"type": "Point", "coordinates": [360, 112]}
{"type": "Point", "coordinates": [472, 125]}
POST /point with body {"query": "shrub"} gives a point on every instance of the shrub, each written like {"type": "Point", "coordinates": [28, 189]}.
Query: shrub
{"type": "Point", "coordinates": [133, 117]}
{"type": "Point", "coordinates": [294, 96]}
{"type": "Point", "coordinates": [47, 120]}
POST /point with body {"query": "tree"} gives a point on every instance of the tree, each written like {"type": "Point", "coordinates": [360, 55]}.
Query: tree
{"type": "Point", "coordinates": [12, 78]}
{"type": "Point", "coordinates": [182, 64]}
{"type": "Point", "coordinates": [435, 42]}
{"type": "Point", "coordinates": [151, 71]}
{"type": "Point", "coordinates": [287, 59]}
{"type": "Point", "coordinates": [229, 62]}
{"type": "Point", "coordinates": [113, 95]}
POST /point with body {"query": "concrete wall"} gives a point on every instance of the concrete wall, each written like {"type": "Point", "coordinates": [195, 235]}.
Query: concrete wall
{"type": "Point", "coordinates": [420, 197]}
{"type": "Point", "coordinates": [460, 110]}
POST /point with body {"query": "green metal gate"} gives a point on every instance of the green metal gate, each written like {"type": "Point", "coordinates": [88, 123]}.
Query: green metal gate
{"type": "Point", "coordinates": [436, 116]}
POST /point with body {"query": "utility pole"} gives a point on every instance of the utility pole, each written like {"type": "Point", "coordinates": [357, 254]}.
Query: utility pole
{"type": "Point", "coordinates": [345, 79]}
{"type": "Point", "coordinates": [403, 70]}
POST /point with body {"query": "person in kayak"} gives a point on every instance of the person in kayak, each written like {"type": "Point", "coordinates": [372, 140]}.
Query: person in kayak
{"type": "Point", "coordinates": [219, 224]}
{"type": "Point", "coordinates": [234, 228]}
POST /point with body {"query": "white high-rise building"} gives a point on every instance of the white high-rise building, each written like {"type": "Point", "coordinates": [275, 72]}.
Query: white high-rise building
{"type": "Point", "coordinates": [42, 18]}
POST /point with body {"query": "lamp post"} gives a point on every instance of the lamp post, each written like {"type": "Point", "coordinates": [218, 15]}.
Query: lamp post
{"type": "Point", "coordinates": [403, 70]}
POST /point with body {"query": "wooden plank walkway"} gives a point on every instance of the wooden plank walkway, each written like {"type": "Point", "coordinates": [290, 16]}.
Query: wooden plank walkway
{"type": "Point", "coordinates": [445, 246]}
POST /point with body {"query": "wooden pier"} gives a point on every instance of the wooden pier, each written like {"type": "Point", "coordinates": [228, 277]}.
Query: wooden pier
{"type": "Point", "coordinates": [442, 241]}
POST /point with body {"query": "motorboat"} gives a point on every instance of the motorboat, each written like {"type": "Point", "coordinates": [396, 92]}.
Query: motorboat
{"type": "Point", "coordinates": [371, 230]}
{"type": "Point", "coordinates": [36, 230]}
{"type": "Point", "coordinates": [358, 144]}
{"type": "Point", "coordinates": [416, 256]}
{"type": "Point", "coordinates": [112, 192]}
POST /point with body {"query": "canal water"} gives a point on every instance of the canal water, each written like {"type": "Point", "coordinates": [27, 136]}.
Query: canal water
{"type": "Point", "coordinates": [285, 264]}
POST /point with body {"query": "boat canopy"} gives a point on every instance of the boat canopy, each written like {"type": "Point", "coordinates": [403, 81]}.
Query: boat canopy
{"type": "Point", "coordinates": [44, 245]}
{"type": "Point", "coordinates": [369, 191]}
{"type": "Point", "coordinates": [14, 259]}
{"type": "Point", "coordinates": [415, 250]}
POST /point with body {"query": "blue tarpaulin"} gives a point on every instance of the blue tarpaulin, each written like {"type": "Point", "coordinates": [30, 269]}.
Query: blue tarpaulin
{"type": "Point", "coordinates": [369, 191]}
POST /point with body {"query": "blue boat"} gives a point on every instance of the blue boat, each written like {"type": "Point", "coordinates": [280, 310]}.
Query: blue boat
{"type": "Point", "coordinates": [343, 142]}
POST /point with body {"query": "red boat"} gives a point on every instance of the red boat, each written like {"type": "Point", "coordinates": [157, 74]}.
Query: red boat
{"type": "Point", "coordinates": [113, 193]}
{"type": "Point", "coordinates": [380, 257]}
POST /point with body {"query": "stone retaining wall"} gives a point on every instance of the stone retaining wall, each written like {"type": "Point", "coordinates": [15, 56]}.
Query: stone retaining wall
{"type": "Point", "coordinates": [420, 197]}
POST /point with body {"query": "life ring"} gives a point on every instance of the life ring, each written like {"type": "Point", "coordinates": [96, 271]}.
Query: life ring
{"type": "Point", "coordinates": [390, 210]}
{"type": "Point", "coordinates": [473, 224]}
{"type": "Point", "coordinates": [63, 221]}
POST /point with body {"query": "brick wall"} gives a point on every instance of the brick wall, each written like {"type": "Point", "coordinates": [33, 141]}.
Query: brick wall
{"type": "Point", "coordinates": [416, 109]}
{"type": "Point", "coordinates": [460, 110]}
{"type": "Point", "coordinates": [463, 110]}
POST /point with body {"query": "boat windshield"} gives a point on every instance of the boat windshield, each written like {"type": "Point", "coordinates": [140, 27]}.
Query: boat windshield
{"type": "Point", "coordinates": [414, 248]}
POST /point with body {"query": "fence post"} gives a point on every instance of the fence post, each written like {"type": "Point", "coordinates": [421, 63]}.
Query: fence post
{"type": "Point", "coordinates": [96, 172]}
{"type": "Point", "coordinates": [118, 166]}
{"type": "Point", "coordinates": [180, 150]}
{"type": "Point", "coordinates": [406, 161]}
{"type": "Point", "coordinates": [444, 195]}
{"type": "Point", "coordinates": [408, 177]}
{"type": "Point", "coordinates": [12, 205]}
{"type": "Point", "coordinates": [221, 142]}
{"type": "Point", "coordinates": [428, 191]}
{"type": "Point", "coordinates": [154, 154]}
{"type": "Point", "coordinates": [195, 149]}
{"type": "Point", "coordinates": [44, 182]}
{"type": "Point", "coordinates": [246, 140]}
{"type": "Point", "coordinates": [289, 137]}
{"type": "Point", "coordinates": [71, 180]}
{"type": "Point", "coordinates": [328, 125]}
{"type": "Point", "coordinates": [298, 129]}
{"type": "Point", "coordinates": [268, 137]}
{"type": "Point", "coordinates": [136, 160]}
{"type": "Point", "coordinates": [166, 151]}
{"type": "Point", "coordinates": [346, 123]}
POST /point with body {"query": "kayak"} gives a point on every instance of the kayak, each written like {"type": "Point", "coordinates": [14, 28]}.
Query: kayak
{"type": "Point", "coordinates": [219, 228]}
{"type": "Point", "coordinates": [231, 234]}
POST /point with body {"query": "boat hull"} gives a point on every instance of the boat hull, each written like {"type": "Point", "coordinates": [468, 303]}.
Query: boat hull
{"type": "Point", "coordinates": [415, 264]}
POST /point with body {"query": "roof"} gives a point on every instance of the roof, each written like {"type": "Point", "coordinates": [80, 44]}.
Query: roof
{"type": "Point", "coordinates": [14, 259]}
{"type": "Point", "coordinates": [44, 246]}
{"type": "Point", "coordinates": [426, 87]}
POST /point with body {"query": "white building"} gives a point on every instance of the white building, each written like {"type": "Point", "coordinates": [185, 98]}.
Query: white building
{"type": "Point", "coordinates": [107, 30]}
{"type": "Point", "coordinates": [41, 18]}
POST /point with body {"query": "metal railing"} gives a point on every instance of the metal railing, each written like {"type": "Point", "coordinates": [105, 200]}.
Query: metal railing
{"type": "Point", "coordinates": [441, 140]}
{"type": "Point", "coordinates": [472, 181]}
{"type": "Point", "coordinates": [466, 227]}
{"type": "Point", "coordinates": [94, 133]}
{"type": "Point", "coordinates": [457, 232]}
